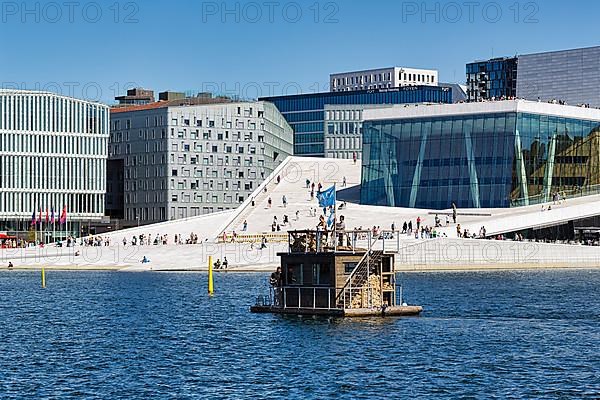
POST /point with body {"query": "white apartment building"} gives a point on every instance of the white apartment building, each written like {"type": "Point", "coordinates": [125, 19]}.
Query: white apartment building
{"type": "Point", "coordinates": [53, 152]}
{"type": "Point", "coordinates": [176, 161]}
{"type": "Point", "coordinates": [382, 78]}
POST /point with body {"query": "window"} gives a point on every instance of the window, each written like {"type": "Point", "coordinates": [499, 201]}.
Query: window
{"type": "Point", "coordinates": [349, 267]}
{"type": "Point", "coordinates": [293, 276]}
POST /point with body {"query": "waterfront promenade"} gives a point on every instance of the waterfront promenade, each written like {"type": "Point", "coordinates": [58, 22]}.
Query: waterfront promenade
{"type": "Point", "coordinates": [244, 254]}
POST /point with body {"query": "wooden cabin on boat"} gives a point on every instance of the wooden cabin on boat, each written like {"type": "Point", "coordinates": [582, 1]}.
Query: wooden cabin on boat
{"type": "Point", "coordinates": [330, 274]}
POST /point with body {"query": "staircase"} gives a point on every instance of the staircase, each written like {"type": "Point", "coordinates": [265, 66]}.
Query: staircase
{"type": "Point", "coordinates": [358, 278]}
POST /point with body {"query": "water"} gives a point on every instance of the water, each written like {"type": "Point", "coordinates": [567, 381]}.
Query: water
{"type": "Point", "coordinates": [141, 336]}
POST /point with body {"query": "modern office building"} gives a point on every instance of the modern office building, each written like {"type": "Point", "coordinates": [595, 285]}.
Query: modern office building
{"type": "Point", "coordinates": [343, 130]}
{"type": "Point", "coordinates": [175, 161]}
{"type": "Point", "coordinates": [488, 154]}
{"type": "Point", "coordinates": [382, 78]}
{"type": "Point", "coordinates": [306, 112]}
{"type": "Point", "coordinates": [495, 78]}
{"type": "Point", "coordinates": [53, 152]}
{"type": "Point", "coordinates": [570, 76]}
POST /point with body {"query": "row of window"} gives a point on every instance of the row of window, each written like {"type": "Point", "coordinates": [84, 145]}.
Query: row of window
{"type": "Point", "coordinates": [344, 143]}
{"type": "Point", "coordinates": [51, 113]}
{"type": "Point", "coordinates": [52, 173]}
{"type": "Point", "coordinates": [185, 121]}
{"type": "Point", "coordinates": [82, 145]}
{"type": "Point", "coordinates": [23, 204]}
{"type": "Point", "coordinates": [365, 79]}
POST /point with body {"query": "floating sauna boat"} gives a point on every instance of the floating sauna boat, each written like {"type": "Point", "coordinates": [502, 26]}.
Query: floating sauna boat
{"type": "Point", "coordinates": [327, 274]}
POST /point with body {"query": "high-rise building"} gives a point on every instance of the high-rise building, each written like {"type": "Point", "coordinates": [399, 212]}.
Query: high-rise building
{"type": "Point", "coordinates": [175, 161]}
{"type": "Point", "coordinates": [382, 78]}
{"type": "Point", "coordinates": [306, 112]}
{"type": "Point", "coordinates": [53, 152]}
{"type": "Point", "coordinates": [485, 154]}
{"type": "Point", "coordinates": [495, 78]}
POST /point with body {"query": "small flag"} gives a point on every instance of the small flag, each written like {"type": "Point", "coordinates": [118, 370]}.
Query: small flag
{"type": "Point", "coordinates": [47, 216]}
{"type": "Point", "coordinates": [52, 220]}
{"type": "Point", "coordinates": [40, 218]}
{"type": "Point", "coordinates": [63, 216]}
{"type": "Point", "coordinates": [327, 197]}
{"type": "Point", "coordinates": [33, 218]}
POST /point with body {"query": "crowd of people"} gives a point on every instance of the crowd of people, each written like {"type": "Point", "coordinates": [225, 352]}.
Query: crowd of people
{"type": "Point", "coordinates": [539, 100]}
{"type": "Point", "coordinates": [157, 239]}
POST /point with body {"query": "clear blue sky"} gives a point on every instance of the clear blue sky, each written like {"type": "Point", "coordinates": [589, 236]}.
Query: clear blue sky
{"type": "Point", "coordinates": [258, 48]}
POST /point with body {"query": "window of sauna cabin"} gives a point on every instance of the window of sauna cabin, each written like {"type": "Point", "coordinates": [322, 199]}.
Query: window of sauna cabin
{"type": "Point", "coordinates": [293, 275]}
{"type": "Point", "coordinates": [349, 267]}
{"type": "Point", "coordinates": [321, 274]}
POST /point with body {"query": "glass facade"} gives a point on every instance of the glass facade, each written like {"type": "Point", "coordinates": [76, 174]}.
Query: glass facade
{"type": "Point", "coordinates": [305, 112]}
{"type": "Point", "coordinates": [495, 78]}
{"type": "Point", "coordinates": [53, 152]}
{"type": "Point", "coordinates": [478, 160]}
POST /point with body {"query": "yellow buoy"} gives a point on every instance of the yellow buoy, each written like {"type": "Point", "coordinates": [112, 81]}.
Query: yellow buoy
{"type": "Point", "coordinates": [43, 278]}
{"type": "Point", "coordinates": [211, 288]}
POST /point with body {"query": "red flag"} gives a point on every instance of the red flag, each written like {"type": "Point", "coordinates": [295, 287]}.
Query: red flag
{"type": "Point", "coordinates": [47, 215]}
{"type": "Point", "coordinates": [40, 218]}
{"type": "Point", "coordinates": [63, 215]}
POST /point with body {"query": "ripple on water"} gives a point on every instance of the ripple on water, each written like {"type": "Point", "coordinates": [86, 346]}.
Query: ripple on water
{"type": "Point", "coordinates": [524, 334]}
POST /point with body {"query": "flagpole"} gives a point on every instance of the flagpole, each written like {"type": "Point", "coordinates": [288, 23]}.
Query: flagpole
{"type": "Point", "coordinates": [334, 219]}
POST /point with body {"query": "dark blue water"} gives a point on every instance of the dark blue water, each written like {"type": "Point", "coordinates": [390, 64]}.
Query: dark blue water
{"type": "Point", "coordinates": [123, 335]}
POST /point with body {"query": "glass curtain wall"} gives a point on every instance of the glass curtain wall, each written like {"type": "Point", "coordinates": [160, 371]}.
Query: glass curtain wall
{"type": "Point", "coordinates": [484, 160]}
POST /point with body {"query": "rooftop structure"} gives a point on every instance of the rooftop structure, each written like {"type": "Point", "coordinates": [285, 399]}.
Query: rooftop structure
{"type": "Point", "coordinates": [137, 96]}
{"type": "Point", "coordinates": [382, 78]}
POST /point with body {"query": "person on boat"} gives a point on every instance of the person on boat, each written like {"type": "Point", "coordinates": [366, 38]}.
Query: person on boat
{"type": "Point", "coordinates": [10, 265]}
{"type": "Point", "coordinates": [218, 264]}
{"type": "Point", "coordinates": [276, 280]}
{"type": "Point", "coordinates": [225, 263]}
{"type": "Point", "coordinates": [145, 260]}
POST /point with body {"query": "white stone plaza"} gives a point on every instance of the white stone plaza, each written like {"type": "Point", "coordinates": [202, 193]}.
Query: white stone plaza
{"type": "Point", "coordinates": [445, 252]}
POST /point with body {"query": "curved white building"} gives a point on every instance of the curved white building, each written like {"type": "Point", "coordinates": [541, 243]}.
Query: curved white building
{"type": "Point", "coordinates": [53, 152]}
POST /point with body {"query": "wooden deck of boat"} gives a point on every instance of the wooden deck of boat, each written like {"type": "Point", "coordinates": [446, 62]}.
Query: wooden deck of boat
{"type": "Point", "coordinates": [350, 312]}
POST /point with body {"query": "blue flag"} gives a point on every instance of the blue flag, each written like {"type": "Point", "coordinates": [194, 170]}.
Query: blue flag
{"type": "Point", "coordinates": [331, 219]}
{"type": "Point", "coordinates": [327, 197]}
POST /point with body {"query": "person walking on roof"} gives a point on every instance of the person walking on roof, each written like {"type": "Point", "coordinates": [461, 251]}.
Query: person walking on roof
{"type": "Point", "coordinates": [454, 212]}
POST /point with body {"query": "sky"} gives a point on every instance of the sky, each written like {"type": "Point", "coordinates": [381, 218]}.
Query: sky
{"type": "Point", "coordinates": [97, 49]}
